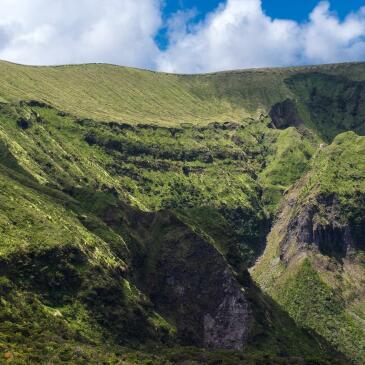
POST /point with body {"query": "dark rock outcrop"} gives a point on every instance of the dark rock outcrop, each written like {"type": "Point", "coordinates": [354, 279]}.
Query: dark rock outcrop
{"type": "Point", "coordinates": [284, 115]}
{"type": "Point", "coordinates": [190, 283]}
{"type": "Point", "coordinates": [38, 104]}
{"type": "Point", "coordinates": [321, 225]}
{"type": "Point", "coordinates": [194, 285]}
{"type": "Point", "coordinates": [24, 123]}
{"type": "Point", "coordinates": [226, 326]}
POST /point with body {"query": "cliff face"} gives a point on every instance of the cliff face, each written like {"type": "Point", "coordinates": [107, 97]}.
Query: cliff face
{"type": "Point", "coordinates": [193, 284]}
{"type": "Point", "coordinates": [320, 225]}
{"type": "Point", "coordinates": [284, 115]}
{"type": "Point", "coordinates": [313, 263]}
{"type": "Point", "coordinates": [189, 282]}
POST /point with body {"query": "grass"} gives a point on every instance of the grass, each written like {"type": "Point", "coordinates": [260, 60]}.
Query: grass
{"type": "Point", "coordinates": [107, 92]}
{"type": "Point", "coordinates": [95, 214]}
{"type": "Point", "coordinates": [331, 104]}
{"type": "Point", "coordinates": [75, 242]}
{"type": "Point", "coordinates": [322, 292]}
{"type": "Point", "coordinates": [314, 304]}
{"type": "Point", "coordinates": [290, 160]}
{"type": "Point", "coordinates": [340, 167]}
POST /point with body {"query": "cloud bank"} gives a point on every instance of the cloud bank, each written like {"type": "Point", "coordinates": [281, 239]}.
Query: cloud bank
{"type": "Point", "coordinates": [238, 34]}
{"type": "Point", "coordinates": [77, 31]}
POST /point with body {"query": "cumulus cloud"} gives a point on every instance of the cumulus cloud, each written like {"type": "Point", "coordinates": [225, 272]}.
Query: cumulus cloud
{"type": "Point", "coordinates": [327, 39]}
{"type": "Point", "coordinates": [69, 31]}
{"type": "Point", "coordinates": [239, 35]}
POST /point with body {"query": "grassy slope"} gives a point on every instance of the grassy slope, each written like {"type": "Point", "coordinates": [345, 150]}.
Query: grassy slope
{"type": "Point", "coordinates": [106, 92]}
{"type": "Point", "coordinates": [318, 291]}
{"type": "Point", "coordinates": [55, 187]}
{"type": "Point", "coordinates": [286, 165]}
{"type": "Point", "coordinates": [214, 176]}
{"type": "Point", "coordinates": [52, 271]}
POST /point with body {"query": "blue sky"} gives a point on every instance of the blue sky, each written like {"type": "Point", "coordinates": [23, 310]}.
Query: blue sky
{"type": "Point", "coordinates": [183, 36]}
{"type": "Point", "coordinates": [300, 9]}
{"type": "Point", "coordinates": [286, 9]}
{"type": "Point", "coordinates": [290, 9]}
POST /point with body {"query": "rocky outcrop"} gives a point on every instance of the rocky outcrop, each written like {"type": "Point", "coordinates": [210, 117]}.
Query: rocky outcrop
{"type": "Point", "coordinates": [191, 283]}
{"type": "Point", "coordinates": [313, 264]}
{"type": "Point", "coordinates": [284, 115]}
{"type": "Point", "coordinates": [321, 225]}
{"type": "Point", "coordinates": [24, 123]}
{"type": "Point", "coordinates": [227, 327]}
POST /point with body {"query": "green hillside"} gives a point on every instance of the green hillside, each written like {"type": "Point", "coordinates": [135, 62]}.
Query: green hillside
{"type": "Point", "coordinates": [313, 264]}
{"type": "Point", "coordinates": [133, 204]}
{"type": "Point", "coordinates": [107, 92]}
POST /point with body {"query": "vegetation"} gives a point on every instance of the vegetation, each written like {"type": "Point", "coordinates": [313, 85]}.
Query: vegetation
{"type": "Point", "coordinates": [325, 291]}
{"type": "Point", "coordinates": [107, 92]}
{"type": "Point", "coordinates": [111, 198]}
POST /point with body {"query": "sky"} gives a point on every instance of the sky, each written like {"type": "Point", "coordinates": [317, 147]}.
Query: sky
{"type": "Point", "coordinates": [182, 36]}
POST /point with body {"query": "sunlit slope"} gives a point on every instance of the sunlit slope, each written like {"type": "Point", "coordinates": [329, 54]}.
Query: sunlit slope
{"type": "Point", "coordinates": [107, 92]}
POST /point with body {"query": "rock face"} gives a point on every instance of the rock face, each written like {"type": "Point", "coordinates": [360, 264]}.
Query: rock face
{"type": "Point", "coordinates": [321, 225]}
{"type": "Point", "coordinates": [191, 283]}
{"type": "Point", "coordinates": [227, 327]}
{"type": "Point", "coordinates": [284, 115]}
{"type": "Point", "coordinates": [313, 264]}
{"type": "Point", "coordinates": [24, 123]}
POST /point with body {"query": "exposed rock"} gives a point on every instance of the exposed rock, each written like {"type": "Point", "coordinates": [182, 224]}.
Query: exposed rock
{"type": "Point", "coordinates": [39, 104]}
{"type": "Point", "coordinates": [120, 125]}
{"type": "Point", "coordinates": [207, 158]}
{"type": "Point", "coordinates": [24, 123]}
{"type": "Point", "coordinates": [85, 122]}
{"type": "Point", "coordinates": [237, 140]}
{"type": "Point", "coordinates": [320, 225]}
{"type": "Point", "coordinates": [192, 284]}
{"type": "Point", "coordinates": [227, 328]}
{"type": "Point", "coordinates": [284, 115]}
{"type": "Point", "coordinates": [62, 113]}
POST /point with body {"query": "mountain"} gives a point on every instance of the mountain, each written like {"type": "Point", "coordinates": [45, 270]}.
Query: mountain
{"type": "Point", "coordinates": [313, 264]}
{"type": "Point", "coordinates": [152, 218]}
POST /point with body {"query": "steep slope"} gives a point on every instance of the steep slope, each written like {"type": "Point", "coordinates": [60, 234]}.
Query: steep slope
{"type": "Point", "coordinates": [331, 103]}
{"type": "Point", "coordinates": [79, 252]}
{"type": "Point", "coordinates": [314, 261]}
{"type": "Point", "coordinates": [132, 204]}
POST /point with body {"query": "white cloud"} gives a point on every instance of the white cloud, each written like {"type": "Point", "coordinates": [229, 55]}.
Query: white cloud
{"type": "Point", "coordinates": [240, 35]}
{"type": "Point", "coordinates": [326, 39]}
{"type": "Point", "coordinates": [70, 31]}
